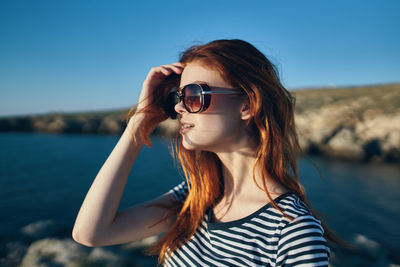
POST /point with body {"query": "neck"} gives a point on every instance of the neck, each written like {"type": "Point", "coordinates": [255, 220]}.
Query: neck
{"type": "Point", "coordinates": [238, 172]}
{"type": "Point", "coordinates": [244, 191]}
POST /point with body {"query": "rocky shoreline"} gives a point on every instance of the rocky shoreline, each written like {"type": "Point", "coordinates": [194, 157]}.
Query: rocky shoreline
{"type": "Point", "coordinates": [360, 123]}
{"type": "Point", "coordinates": [46, 243]}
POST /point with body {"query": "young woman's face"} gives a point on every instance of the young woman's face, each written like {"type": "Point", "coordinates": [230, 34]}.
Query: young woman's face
{"type": "Point", "coordinates": [220, 127]}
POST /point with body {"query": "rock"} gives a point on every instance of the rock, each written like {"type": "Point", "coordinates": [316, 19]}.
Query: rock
{"type": "Point", "coordinates": [90, 126]}
{"type": "Point", "coordinates": [66, 252]}
{"type": "Point", "coordinates": [391, 146]}
{"type": "Point", "coordinates": [40, 126]}
{"type": "Point", "coordinates": [54, 252]}
{"type": "Point", "coordinates": [371, 248]}
{"type": "Point", "coordinates": [366, 116]}
{"type": "Point", "coordinates": [109, 257]}
{"type": "Point", "coordinates": [141, 244]}
{"type": "Point", "coordinates": [377, 126]}
{"type": "Point", "coordinates": [138, 249]}
{"type": "Point", "coordinates": [110, 125]}
{"type": "Point", "coordinates": [368, 253]}
{"type": "Point", "coordinates": [366, 243]}
{"type": "Point", "coordinates": [346, 145]}
{"type": "Point", "coordinates": [380, 135]}
{"type": "Point", "coordinates": [21, 124]}
{"type": "Point", "coordinates": [167, 128]}
{"type": "Point", "coordinates": [14, 252]}
{"type": "Point", "coordinates": [40, 229]}
{"type": "Point", "coordinates": [58, 125]}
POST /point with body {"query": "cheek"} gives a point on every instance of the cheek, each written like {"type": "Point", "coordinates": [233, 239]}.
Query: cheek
{"type": "Point", "coordinates": [217, 103]}
{"type": "Point", "coordinates": [221, 119]}
{"type": "Point", "coordinates": [216, 127]}
{"type": "Point", "coordinates": [221, 104]}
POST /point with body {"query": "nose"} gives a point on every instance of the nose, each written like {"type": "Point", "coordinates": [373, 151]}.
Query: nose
{"type": "Point", "coordinates": [180, 108]}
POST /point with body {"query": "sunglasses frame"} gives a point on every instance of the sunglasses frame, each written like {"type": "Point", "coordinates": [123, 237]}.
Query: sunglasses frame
{"type": "Point", "coordinates": [205, 97]}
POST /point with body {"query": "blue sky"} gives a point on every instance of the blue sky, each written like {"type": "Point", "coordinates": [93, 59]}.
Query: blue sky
{"type": "Point", "coordinates": [62, 56]}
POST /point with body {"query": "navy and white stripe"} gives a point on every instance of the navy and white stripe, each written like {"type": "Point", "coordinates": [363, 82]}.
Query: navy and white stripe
{"type": "Point", "coordinates": [180, 192]}
{"type": "Point", "coordinates": [264, 238]}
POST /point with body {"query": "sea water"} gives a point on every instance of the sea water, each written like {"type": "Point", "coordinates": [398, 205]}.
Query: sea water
{"type": "Point", "coordinates": [46, 176]}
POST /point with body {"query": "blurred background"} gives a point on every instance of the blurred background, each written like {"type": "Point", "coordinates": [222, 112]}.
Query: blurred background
{"type": "Point", "coordinates": [70, 71]}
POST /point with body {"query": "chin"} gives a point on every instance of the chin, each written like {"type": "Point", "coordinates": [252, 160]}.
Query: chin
{"type": "Point", "coordinates": [188, 144]}
{"type": "Point", "coordinates": [191, 144]}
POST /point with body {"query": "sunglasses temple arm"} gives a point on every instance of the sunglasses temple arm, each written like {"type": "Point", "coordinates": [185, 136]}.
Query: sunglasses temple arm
{"type": "Point", "coordinates": [221, 92]}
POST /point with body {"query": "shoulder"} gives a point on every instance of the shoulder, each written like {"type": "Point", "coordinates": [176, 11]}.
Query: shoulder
{"type": "Point", "coordinates": [301, 240]}
{"type": "Point", "coordinates": [302, 219]}
{"type": "Point", "coordinates": [292, 205]}
{"type": "Point", "coordinates": [180, 191]}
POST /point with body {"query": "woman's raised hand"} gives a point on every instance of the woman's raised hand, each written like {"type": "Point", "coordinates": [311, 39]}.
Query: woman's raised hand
{"type": "Point", "coordinates": [99, 223]}
{"type": "Point", "coordinates": [154, 78]}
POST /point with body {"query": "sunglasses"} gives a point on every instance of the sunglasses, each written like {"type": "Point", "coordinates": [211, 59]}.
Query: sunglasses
{"type": "Point", "coordinates": [195, 97]}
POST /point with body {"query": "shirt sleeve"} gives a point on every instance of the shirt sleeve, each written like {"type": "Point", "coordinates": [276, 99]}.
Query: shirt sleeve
{"type": "Point", "coordinates": [302, 243]}
{"type": "Point", "coordinates": [180, 192]}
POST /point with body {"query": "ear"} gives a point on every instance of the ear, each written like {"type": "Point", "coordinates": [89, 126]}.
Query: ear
{"type": "Point", "coordinates": [245, 110]}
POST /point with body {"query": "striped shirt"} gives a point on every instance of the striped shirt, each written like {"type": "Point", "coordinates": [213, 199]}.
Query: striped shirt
{"type": "Point", "coordinates": [264, 238]}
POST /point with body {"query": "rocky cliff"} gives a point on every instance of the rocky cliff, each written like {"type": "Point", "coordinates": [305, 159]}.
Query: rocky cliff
{"type": "Point", "coordinates": [361, 123]}
{"type": "Point", "coordinates": [353, 123]}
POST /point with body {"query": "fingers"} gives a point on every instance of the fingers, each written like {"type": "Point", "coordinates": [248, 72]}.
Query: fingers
{"type": "Point", "coordinates": [174, 67]}
{"type": "Point", "coordinates": [178, 65]}
{"type": "Point", "coordinates": [165, 70]}
{"type": "Point", "coordinates": [158, 74]}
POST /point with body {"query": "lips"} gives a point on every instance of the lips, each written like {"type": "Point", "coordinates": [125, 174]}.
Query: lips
{"type": "Point", "coordinates": [185, 127]}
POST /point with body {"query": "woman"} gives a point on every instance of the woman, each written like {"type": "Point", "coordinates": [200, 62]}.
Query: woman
{"type": "Point", "coordinates": [242, 204]}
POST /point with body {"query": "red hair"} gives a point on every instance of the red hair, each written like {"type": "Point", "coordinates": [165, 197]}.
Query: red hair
{"type": "Point", "coordinates": [272, 125]}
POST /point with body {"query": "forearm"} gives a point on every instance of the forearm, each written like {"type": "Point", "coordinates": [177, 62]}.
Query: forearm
{"type": "Point", "coordinates": [102, 200]}
{"type": "Point", "coordinates": [97, 221]}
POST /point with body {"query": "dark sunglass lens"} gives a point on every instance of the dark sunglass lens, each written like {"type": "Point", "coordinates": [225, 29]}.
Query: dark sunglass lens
{"type": "Point", "coordinates": [169, 104]}
{"type": "Point", "coordinates": [176, 97]}
{"type": "Point", "coordinates": [192, 97]}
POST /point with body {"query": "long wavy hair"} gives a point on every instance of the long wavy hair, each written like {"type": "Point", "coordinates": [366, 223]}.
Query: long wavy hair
{"type": "Point", "coordinates": [272, 125]}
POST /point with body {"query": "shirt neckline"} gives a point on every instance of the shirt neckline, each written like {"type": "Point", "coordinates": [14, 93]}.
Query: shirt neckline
{"type": "Point", "coordinates": [223, 225]}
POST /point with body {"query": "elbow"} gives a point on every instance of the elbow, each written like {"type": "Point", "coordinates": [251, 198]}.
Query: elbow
{"type": "Point", "coordinates": [84, 239]}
